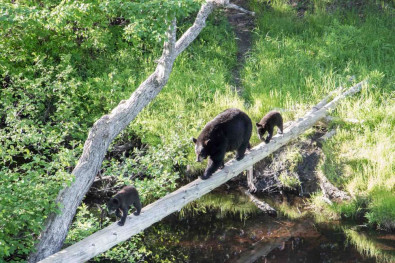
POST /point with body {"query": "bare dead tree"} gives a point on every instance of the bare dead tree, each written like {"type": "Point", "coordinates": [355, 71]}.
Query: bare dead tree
{"type": "Point", "coordinates": [108, 127]}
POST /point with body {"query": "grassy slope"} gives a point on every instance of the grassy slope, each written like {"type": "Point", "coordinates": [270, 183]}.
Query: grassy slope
{"type": "Point", "coordinates": [296, 60]}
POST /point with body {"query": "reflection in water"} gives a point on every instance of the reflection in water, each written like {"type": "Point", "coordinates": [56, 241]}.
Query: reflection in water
{"type": "Point", "coordinates": [381, 247]}
{"type": "Point", "coordinates": [210, 234]}
{"type": "Point", "coordinates": [224, 203]}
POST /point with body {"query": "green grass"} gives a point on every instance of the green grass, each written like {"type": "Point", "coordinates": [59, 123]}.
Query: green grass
{"type": "Point", "coordinates": [296, 60]}
{"type": "Point", "coordinates": [381, 208]}
{"type": "Point", "coordinates": [198, 89]}
{"type": "Point", "coordinates": [367, 246]}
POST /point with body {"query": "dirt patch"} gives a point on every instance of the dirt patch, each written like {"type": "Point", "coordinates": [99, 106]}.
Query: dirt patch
{"type": "Point", "coordinates": [242, 25]}
{"type": "Point", "coordinates": [294, 169]}
{"type": "Point", "coordinates": [301, 6]}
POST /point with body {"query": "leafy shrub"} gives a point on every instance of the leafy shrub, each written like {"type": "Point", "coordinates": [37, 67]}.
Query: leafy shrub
{"type": "Point", "coordinates": [63, 65]}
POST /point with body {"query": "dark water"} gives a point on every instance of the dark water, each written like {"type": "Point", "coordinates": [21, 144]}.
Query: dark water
{"type": "Point", "coordinates": [214, 237]}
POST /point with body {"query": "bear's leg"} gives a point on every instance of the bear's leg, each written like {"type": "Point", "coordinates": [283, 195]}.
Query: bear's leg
{"type": "Point", "coordinates": [269, 137]}
{"type": "Point", "coordinates": [249, 146]}
{"type": "Point", "coordinates": [280, 127]}
{"type": "Point", "coordinates": [137, 204]}
{"type": "Point", "coordinates": [222, 165]}
{"type": "Point", "coordinates": [118, 213]}
{"type": "Point", "coordinates": [241, 151]}
{"type": "Point", "coordinates": [123, 218]}
{"type": "Point", "coordinates": [212, 166]}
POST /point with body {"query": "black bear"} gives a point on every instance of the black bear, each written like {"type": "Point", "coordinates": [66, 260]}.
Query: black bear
{"type": "Point", "coordinates": [122, 202]}
{"type": "Point", "coordinates": [230, 130]}
{"type": "Point", "coordinates": [273, 118]}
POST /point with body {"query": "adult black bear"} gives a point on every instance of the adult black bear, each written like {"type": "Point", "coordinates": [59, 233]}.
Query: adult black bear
{"type": "Point", "coordinates": [230, 130]}
{"type": "Point", "coordinates": [267, 124]}
{"type": "Point", "coordinates": [122, 202]}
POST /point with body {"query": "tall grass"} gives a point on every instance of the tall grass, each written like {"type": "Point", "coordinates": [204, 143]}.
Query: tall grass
{"type": "Point", "coordinates": [294, 62]}
{"type": "Point", "coordinates": [297, 59]}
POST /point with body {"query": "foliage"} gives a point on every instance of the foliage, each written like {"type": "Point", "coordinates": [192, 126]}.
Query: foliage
{"type": "Point", "coordinates": [85, 224]}
{"type": "Point", "coordinates": [63, 65]}
{"type": "Point", "coordinates": [153, 171]}
{"type": "Point", "coordinates": [299, 56]}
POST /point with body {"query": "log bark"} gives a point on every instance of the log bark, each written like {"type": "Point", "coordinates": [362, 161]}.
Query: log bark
{"type": "Point", "coordinates": [175, 201]}
{"type": "Point", "coordinates": [107, 128]}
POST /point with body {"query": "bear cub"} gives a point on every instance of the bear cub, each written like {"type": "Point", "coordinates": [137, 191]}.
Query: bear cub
{"type": "Point", "coordinates": [228, 131]}
{"type": "Point", "coordinates": [122, 202]}
{"type": "Point", "coordinates": [273, 118]}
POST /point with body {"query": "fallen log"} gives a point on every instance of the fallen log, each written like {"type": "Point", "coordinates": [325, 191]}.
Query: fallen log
{"type": "Point", "coordinates": [105, 129]}
{"type": "Point", "coordinates": [175, 201]}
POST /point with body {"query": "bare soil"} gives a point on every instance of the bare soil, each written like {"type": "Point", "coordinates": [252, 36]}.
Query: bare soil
{"type": "Point", "coordinates": [268, 171]}
{"type": "Point", "coordinates": [242, 25]}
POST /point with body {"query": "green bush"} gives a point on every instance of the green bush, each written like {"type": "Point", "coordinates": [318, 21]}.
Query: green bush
{"type": "Point", "coordinates": [62, 66]}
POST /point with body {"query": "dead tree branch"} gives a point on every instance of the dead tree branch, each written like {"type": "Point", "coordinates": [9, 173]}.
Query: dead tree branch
{"type": "Point", "coordinates": [107, 128]}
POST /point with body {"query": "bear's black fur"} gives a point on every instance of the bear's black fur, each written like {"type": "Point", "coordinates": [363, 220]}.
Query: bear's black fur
{"type": "Point", "coordinates": [122, 202]}
{"type": "Point", "coordinates": [273, 118]}
{"type": "Point", "coordinates": [230, 130]}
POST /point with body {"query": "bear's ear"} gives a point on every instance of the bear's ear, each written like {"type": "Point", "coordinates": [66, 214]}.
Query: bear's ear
{"type": "Point", "coordinates": [206, 142]}
{"type": "Point", "coordinates": [194, 140]}
{"type": "Point", "coordinates": [258, 124]}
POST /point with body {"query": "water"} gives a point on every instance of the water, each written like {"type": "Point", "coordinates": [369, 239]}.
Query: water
{"type": "Point", "coordinates": [217, 236]}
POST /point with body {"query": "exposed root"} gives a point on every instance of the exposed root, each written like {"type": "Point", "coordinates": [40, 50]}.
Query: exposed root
{"type": "Point", "coordinates": [330, 191]}
{"type": "Point", "coordinates": [263, 206]}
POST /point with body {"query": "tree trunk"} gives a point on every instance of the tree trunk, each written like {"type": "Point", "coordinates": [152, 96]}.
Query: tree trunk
{"type": "Point", "coordinates": [108, 127]}
{"type": "Point", "coordinates": [175, 201]}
